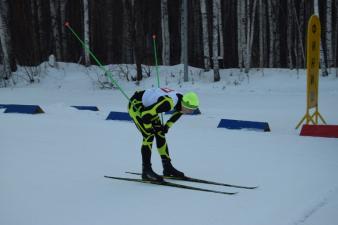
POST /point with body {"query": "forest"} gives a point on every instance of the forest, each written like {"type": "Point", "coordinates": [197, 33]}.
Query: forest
{"type": "Point", "coordinates": [220, 33]}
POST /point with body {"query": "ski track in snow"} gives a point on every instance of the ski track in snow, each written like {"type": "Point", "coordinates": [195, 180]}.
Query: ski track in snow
{"type": "Point", "coordinates": [320, 204]}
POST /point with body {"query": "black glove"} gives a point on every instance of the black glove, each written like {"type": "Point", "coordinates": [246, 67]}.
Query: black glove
{"type": "Point", "coordinates": [160, 128]}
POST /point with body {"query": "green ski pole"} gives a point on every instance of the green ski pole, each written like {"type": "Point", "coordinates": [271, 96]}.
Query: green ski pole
{"type": "Point", "coordinates": [156, 65]}
{"type": "Point", "coordinates": [96, 60]}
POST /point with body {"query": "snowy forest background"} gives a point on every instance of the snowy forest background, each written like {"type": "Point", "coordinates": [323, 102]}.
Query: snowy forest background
{"type": "Point", "coordinates": [221, 33]}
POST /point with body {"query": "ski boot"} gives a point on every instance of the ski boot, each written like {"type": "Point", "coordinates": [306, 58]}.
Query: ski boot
{"type": "Point", "coordinates": [170, 171]}
{"type": "Point", "coordinates": [149, 175]}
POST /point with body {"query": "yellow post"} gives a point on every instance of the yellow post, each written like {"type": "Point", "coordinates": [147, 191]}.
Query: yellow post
{"type": "Point", "coordinates": [312, 71]}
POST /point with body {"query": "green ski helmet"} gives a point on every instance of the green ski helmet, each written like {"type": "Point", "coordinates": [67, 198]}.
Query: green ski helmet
{"type": "Point", "coordinates": [190, 100]}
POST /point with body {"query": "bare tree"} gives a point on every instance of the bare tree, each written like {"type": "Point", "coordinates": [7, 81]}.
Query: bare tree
{"type": "Point", "coordinates": [205, 35]}
{"type": "Point", "coordinates": [86, 31]}
{"type": "Point", "coordinates": [298, 34]}
{"type": "Point", "coordinates": [5, 40]}
{"type": "Point", "coordinates": [215, 42]}
{"type": "Point", "coordinates": [41, 33]}
{"type": "Point", "coordinates": [63, 4]}
{"type": "Point", "coordinates": [184, 37]}
{"type": "Point", "coordinates": [127, 30]}
{"type": "Point", "coordinates": [196, 52]}
{"type": "Point", "coordinates": [322, 57]}
{"type": "Point", "coordinates": [165, 33]}
{"type": "Point", "coordinates": [301, 27]}
{"type": "Point", "coordinates": [109, 28]}
{"type": "Point", "coordinates": [336, 40]}
{"type": "Point", "coordinates": [220, 31]}
{"type": "Point", "coordinates": [1, 55]}
{"type": "Point", "coordinates": [289, 33]}
{"type": "Point", "coordinates": [274, 47]}
{"type": "Point", "coordinates": [250, 35]}
{"type": "Point", "coordinates": [262, 33]}
{"type": "Point", "coordinates": [55, 28]}
{"type": "Point", "coordinates": [182, 27]}
{"type": "Point", "coordinates": [241, 32]}
{"type": "Point", "coordinates": [328, 35]}
{"type": "Point", "coordinates": [35, 53]}
{"type": "Point", "coordinates": [139, 37]}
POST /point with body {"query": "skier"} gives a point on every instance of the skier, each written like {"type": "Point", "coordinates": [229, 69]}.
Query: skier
{"type": "Point", "coordinates": [144, 108]}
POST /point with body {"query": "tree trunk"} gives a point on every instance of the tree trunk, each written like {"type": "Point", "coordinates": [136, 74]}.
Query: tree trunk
{"type": "Point", "coordinates": [139, 37]}
{"type": "Point", "coordinates": [274, 47]}
{"type": "Point", "coordinates": [271, 35]}
{"type": "Point", "coordinates": [86, 31]}
{"type": "Point", "coordinates": [215, 43]}
{"type": "Point", "coordinates": [220, 31]}
{"type": "Point", "coordinates": [262, 33]}
{"type": "Point", "coordinates": [322, 56]}
{"type": "Point", "coordinates": [302, 30]}
{"type": "Point", "coordinates": [1, 55]}
{"type": "Point", "coordinates": [299, 37]}
{"type": "Point", "coordinates": [34, 55]}
{"type": "Point", "coordinates": [336, 40]}
{"type": "Point", "coordinates": [41, 32]}
{"type": "Point", "coordinates": [241, 32]}
{"type": "Point", "coordinates": [251, 30]}
{"type": "Point", "coordinates": [92, 25]}
{"type": "Point", "coordinates": [329, 46]}
{"type": "Point", "coordinates": [184, 38]}
{"type": "Point", "coordinates": [205, 35]}
{"type": "Point", "coordinates": [64, 38]}
{"type": "Point", "coordinates": [182, 30]}
{"type": "Point", "coordinates": [184, 27]}
{"type": "Point", "coordinates": [109, 4]}
{"type": "Point", "coordinates": [54, 26]}
{"type": "Point", "coordinates": [247, 36]}
{"type": "Point", "coordinates": [196, 53]}
{"type": "Point", "coordinates": [277, 35]}
{"type": "Point", "coordinates": [5, 39]}
{"type": "Point", "coordinates": [165, 33]}
{"type": "Point", "coordinates": [289, 34]}
{"type": "Point", "coordinates": [127, 41]}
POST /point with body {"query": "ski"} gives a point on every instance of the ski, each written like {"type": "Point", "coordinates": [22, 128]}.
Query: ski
{"type": "Point", "coordinates": [169, 184]}
{"type": "Point", "coordinates": [195, 180]}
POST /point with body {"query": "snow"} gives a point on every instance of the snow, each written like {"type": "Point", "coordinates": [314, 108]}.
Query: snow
{"type": "Point", "coordinates": [52, 164]}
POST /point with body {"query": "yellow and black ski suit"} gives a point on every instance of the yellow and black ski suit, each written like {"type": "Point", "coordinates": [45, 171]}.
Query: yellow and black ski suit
{"type": "Point", "coordinates": [147, 119]}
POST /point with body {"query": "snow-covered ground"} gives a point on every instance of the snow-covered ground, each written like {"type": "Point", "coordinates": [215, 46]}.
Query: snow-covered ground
{"type": "Point", "coordinates": [52, 164]}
